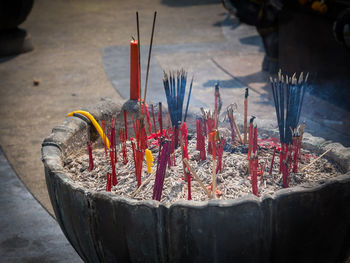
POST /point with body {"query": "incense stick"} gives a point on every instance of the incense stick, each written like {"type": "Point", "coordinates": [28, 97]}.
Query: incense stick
{"type": "Point", "coordinates": [193, 172]}
{"type": "Point", "coordinates": [319, 157]}
{"type": "Point", "coordinates": [149, 56]}
{"type": "Point", "coordinates": [139, 46]}
{"type": "Point", "coordinates": [245, 115]}
{"type": "Point", "coordinates": [188, 100]}
{"type": "Point", "coordinates": [142, 185]}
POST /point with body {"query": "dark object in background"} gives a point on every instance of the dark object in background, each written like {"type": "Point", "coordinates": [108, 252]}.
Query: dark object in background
{"type": "Point", "coordinates": [12, 39]}
{"type": "Point", "coordinates": [263, 15]}
{"type": "Point", "coordinates": [341, 28]}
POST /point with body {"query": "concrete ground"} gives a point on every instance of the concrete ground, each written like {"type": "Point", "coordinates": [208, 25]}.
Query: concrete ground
{"type": "Point", "coordinates": [81, 55]}
{"type": "Point", "coordinates": [28, 232]}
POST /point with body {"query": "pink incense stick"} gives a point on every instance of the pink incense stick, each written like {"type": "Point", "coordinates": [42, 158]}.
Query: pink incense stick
{"type": "Point", "coordinates": [160, 117]}
{"type": "Point", "coordinates": [91, 161]}
{"type": "Point", "coordinates": [161, 169]}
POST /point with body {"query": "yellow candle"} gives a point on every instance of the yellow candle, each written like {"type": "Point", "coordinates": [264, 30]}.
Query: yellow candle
{"type": "Point", "coordinates": [149, 160]}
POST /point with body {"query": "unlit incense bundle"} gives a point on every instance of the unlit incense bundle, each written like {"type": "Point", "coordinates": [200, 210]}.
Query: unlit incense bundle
{"type": "Point", "coordinates": [175, 87]}
{"type": "Point", "coordinates": [288, 94]}
{"type": "Point", "coordinates": [161, 169]}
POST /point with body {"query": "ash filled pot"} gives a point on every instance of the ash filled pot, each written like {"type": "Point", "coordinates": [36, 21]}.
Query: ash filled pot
{"type": "Point", "coordinates": [308, 223]}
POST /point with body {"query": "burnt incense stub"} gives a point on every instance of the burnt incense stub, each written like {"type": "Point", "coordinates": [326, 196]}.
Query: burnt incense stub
{"type": "Point", "coordinates": [289, 225]}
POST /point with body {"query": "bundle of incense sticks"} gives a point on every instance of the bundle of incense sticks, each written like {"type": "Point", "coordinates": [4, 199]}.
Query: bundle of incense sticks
{"type": "Point", "coordinates": [161, 169]}
{"type": "Point", "coordinates": [138, 159]}
{"type": "Point", "coordinates": [91, 161]}
{"type": "Point", "coordinates": [210, 123]}
{"type": "Point", "coordinates": [184, 147]}
{"type": "Point", "coordinates": [220, 150]}
{"type": "Point", "coordinates": [175, 88]}
{"type": "Point", "coordinates": [288, 94]}
{"type": "Point", "coordinates": [122, 136]}
{"type": "Point", "coordinates": [141, 146]}
{"type": "Point", "coordinates": [200, 140]}
{"type": "Point", "coordinates": [234, 127]}
{"type": "Point", "coordinates": [141, 135]}
{"type": "Point", "coordinates": [297, 138]}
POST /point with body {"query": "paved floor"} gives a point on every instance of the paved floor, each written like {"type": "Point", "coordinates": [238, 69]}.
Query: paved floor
{"type": "Point", "coordinates": [28, 232]}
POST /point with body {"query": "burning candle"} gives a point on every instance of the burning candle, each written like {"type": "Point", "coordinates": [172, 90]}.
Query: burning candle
{"type": "Point", "coordinates": [134, 71]}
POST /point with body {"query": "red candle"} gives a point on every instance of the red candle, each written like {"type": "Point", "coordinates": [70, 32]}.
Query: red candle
{"type": "Point", "coordinates": [134, 71]}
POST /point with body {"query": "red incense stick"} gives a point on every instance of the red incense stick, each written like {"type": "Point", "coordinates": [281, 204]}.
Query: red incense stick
{"type": "Point", "coordinates": [255, 182]}
{"type": "Point", "coordinates": [104, 135]}
{"type": "Point", "coordinates": [125, 124]}
{"type": "Point", "coordinates": [273, 159]}
{"type": "Point", "coordinates": [154, 120]}
{"type": "Point", "coordinates": [148, 119]}
{"type": "Point", "coordinates": [108, 185]}
{"type": "Point", "coordinates": [133, 150]}
{"type": "Point", "coordinates": [114, 175]}
{"type": "Point", "coordinates": [220, 151]}
{"type": "Point", "coordinates": [91, 161]}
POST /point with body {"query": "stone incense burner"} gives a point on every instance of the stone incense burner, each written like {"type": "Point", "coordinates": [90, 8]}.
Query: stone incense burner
{"type": "Point", "coordinates": [308, 223]}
